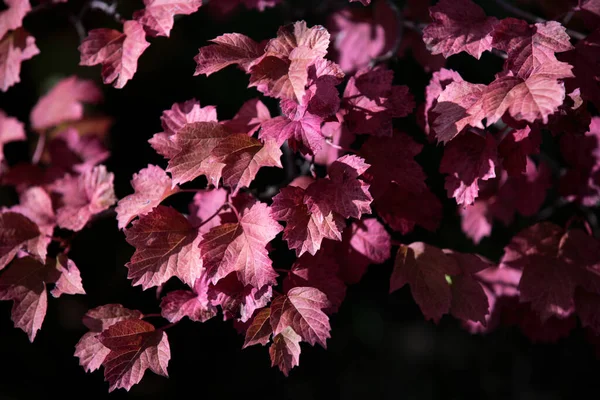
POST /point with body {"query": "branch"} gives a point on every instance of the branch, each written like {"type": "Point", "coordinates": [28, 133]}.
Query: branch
{"type": "Point", "coordinates": [532, 17]}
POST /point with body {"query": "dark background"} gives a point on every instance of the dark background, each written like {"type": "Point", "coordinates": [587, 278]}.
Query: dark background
{"type": "Point", "coordinates": [381, 347]}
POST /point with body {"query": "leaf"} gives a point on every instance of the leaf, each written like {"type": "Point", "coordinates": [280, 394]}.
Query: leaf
{"type": "Point", "coordinates": [134, 347]}
{"type": "Point", "coordinates": [296, 125]}
{"type": "Point", "coordinates": [249, 118]}
{"type": "Point", "coordinates": [205, 204]}
{"type": "Point", "coordinates": [285, 350]}
{"type": "Point", "coordinates": [319, 272]}
{"type": "Point", "coordinates": [535, 98]}
{"type": "Point", "coordinates": [243, 156]}
{"type": "Point", "coordinates": [18, 232]}
{"type": "Point", "coordinates": [228, 49]}
{"type": "Point", "coordinates": [158, 15]}
{"type": "Point", "coordinates": [531, 48]}
{"type": "Point", "coordinates": [424, 268]}
{"type": "Point", "coordinates": [467, 160]}
{"type": "Point", "coordinates": [241, 248]}
{"type": "Point", "coordinates": [117, 52]}
{"type": "Point", "coordinates": [151, 186]}
{"type": "Point", "coordinates": [24, 282]}
{"type": "Point", "coordinates": [458, 26]}
{"type": "Point", "coordinates": [181, 114]}
{"type": "Point", "coordinates": [83, 196]}
{"type": "Point", "coordinates": [192, 304]}
{"type": "Point", "coordinates": [72, 152]}
{"type": "Point", "coordinates": [36, 204]}
{"type": "Point", "coordinates": [459, 105]}
{"type": "Point", "coordinates": [342, 190]}
{"type": "Point", "coordinates": [12, 18]}
{"type": "Point", "coordinates": [554, 264]}
{"type": "Point", "coordinates": [11, 130]}
{"type": "Point", "coordinates": [101, 318]}
{"type": "Point", "coordinates": [15, 47]}
{"type": "Point", "coordinates": [89, 350]}
{"type": "Point", "coordinates": [237, 300]}
{"type": "Point", "coordinates": [398, 186]}
{"type": "Point", "coordinates": [64, 102]}
{"type": "Point", "coordinates": [283, 72]}
{"type": "Point", "coordinates": [438, 83]}
{"type": "Point", "coordinates": [196, 142]}
{"type": "Point", "coordinates": [585, 59]}
{"type": "Point", "coordinates": [308, 222]}
{"type": "Point", "coordinates": [69, 281]}
{"type": "Point", "coordinates": [301, 309]}
{"type": "Point", "coordinates": [259, 331]}
{"type": "Point", "coordinates": [166, 246]}
{"type": "Point", "coordinates": [370, 102]}
{"type": "Point", "coordinates": [362, 35]}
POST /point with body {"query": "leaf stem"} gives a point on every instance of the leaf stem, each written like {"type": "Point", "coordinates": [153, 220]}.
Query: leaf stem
{"type": "Point", "coordinates": [39, 148]}
{"type": "Point", "coordinates": [153, 315]}
{"type": "Point", "coordinates": [207, 220]}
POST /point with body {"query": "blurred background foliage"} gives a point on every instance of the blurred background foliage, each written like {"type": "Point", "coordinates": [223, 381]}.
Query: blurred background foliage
{"type": "Point", "coordinates": [381, 347]}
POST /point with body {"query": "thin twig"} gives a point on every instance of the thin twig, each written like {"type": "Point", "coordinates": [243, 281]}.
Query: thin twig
{"type": "Point", "coordinates": [39, 148]}
{"type": "Point", "coordinates": [532, 17]}
{"type": "Point", "coordinates": [223, 206]}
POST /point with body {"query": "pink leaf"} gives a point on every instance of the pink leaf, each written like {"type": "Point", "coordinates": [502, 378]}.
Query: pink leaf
{"type": "Point", "coordinates": [241, 248]}
{"type": "Point", "coordinates": [196, 142]}
{"type": "Point", "coordinates": [259, 331]}
{"type": "Point", "coordinates": [438, 83]}
{"type": "Point", "coordinates": [204, 205]}
{"type": "Point", "coordinates": [83, 196]}
{"type": "Point", "coordinates": [18, 232]}
{"type": "Point", "coordinates": [283, 72]}
{"type": "Point", "coordinates": [181, 114]}
{"type": "Point", "coordinates": [285, 350]}
{"type": "Point", "coordinates": [347, 195]}
{"type": "Point", "coordinates": [166, 246]}
{"type": "Point", "coordinates": [319, 272]}
{"type": "Point", "coordinates": [157, 18]}
{"type": "Point", "coordinates": [459, 26]}
{"type": "Point", "coordinates": [554, 264]}
{"type": "Point", "coordinates": [307, 222]}
{"type": "Point", "coordinates": [535, 98]}
{"type": "Point", "coordinates": [230, 48]}
{"type": "Point", "coordinates": [101, 318]}
{"type": "Point", "coordinates": [249, 118]}
{"type": "Point", "coordinates": [24, 283]}
{"type": "Point", "coordinates": [11, 130]}
{"type": "Point", "coordinates": [89, 350]}
{"type": "Point", "coordinates": [301, 309]}
{"type": "Point", "coordinates": [297, 124]}
{"type": "Point", "coordinates": [468, 159]}
{"type": "Point", "coordinates": [64, 102]}
{"type": "Point", "coordinates": [237, 300]}
{"type": "Point", "coordinates": [424, 268]}
{"type": "Point", "coordinates": [243, 156]}
{"type": "Point", "coordinates": [134, 347]}
{"type": "Point", "coordinates": [151, 186]}
{"type": "Point", "coordinates": [12, 18]}
{"type": "Point", "coordinates": [531, 48]}
{"type": "Point", "coordinates": [117, 52]}
{"type": "Point", "coordinates": [459, 105]}
{"type": "Point", "coordinates": [15, 48]}
{"type": "Point", "coordinates": [185, 303]}
{"type": "Point", "coordinates": [362, 35]}
{"type": "Point", "coordinates": [69, 281]}
{"type": "Point", "coordinates": [71, 152]}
